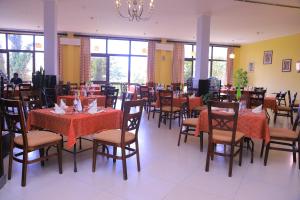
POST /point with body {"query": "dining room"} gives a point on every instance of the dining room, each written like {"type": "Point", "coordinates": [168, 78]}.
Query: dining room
{"type": "Point", "coordinates": [149, 99]}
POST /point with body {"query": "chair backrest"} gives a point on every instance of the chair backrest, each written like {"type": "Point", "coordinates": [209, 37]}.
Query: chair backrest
{"type": "Point", "coordinates": [293, 100]}
{"type": "Point", "coordinates": [126, 97]}
{"type": "Point", "coordinates": [31, 100]}
{"type": "Point", "coordinates": [24, 87]}
{"type": "Point", "coordinates": [257, 98]}
{"type": "Point", "coordinates": [111, 97]}
{"type": "Point", "coordinates": [225, 121]}
{"type": "Point", "coordinates": [10, 90]}
{"type": "Point", "coordinates": [131, 119]}
{"type": "Point", "coordinates": [14, 117]}
{"type": "Point", "coordinates": [297, 120]}
{"type": "Point", "coordinates": [144, 91]}
{"type": "Point", "coordinates": [49, 97]}
{"type": "Point", "coordinates": [165, 98]}
{"type": "Point", "coordinates": [176, 86]}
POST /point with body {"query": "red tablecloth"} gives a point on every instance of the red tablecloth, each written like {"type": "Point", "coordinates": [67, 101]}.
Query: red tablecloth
{"type": "Point", "coordinates": [254, 125]}
{"type": "Point", "coordinates": [270, 102]}
{"type": "Point", "coordinates": [74, 125]}
{"type": "Point", "coordinates": [84, 100]}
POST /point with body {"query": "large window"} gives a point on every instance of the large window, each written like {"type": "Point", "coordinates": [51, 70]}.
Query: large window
{"type": "Point", "coordinates": [218, 62]}
{"type": "Point", "coordinates": [21, 53]}
{"type": "Point", "coordinates": [118, 61]}
{"type": "Point", "coordinates": [189, 61]}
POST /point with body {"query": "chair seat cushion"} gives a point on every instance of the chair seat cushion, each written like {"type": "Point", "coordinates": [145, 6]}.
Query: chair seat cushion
{"type": "Point", "coordinates": [114, 136]}
{"type": "Point", "coordinates": [190, 122]}
{"type": "Point", "coordinates": [225, 136]}
{"type": "Point", "coordinates": [199, 108]}
{"type": "Point", "coordinates": [168, 109]}
{"type": "Point", "coordinates": [36, 138]}
{"type": "Point", "coordinates": [283, 108]}
{"type": "Point", "coordinates": [283, 133]}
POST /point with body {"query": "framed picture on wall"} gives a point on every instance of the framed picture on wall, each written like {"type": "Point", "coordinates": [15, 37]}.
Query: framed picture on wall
{"type": "Point", "coordinates": [251, 67]}
{"type": "Point", "coordinates": [286, 65]}
{"type": "Point", "coordinates": [268, 57]}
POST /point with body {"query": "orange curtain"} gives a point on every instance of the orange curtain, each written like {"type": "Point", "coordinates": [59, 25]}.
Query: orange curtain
{"type": "Point", "coordinates": [229, 67]}
{"type": "Point", "coordinates": [85, 59]}
{"type": "Point", "coordinates": [178, 63]}
{"type": "Point", "coordinates": [151, 62]}
{"type": "Point", "coordinates": [60, 59]}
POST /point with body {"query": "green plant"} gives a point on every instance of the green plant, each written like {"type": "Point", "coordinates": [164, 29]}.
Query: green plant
{"type": "Point", "coordinates": [240, 78]}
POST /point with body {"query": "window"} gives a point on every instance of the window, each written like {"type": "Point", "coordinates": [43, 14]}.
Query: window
{"type": "Point", "coordinates": [98, 45]}
{"type": "Point", "coordinates": [3, 64]}
{"type": "Point", "coordinates": [118, 69]}
{"type": "Point", "coordinates": [138, 70]}
{"type": "Point", "coordinates": [21, 63]}
{"type": "Point", "coordinates": [218, 62]}
{"type": "Point", "coordinates": [39, 61]}
{"type": "Point", "coordinates": [2, 41]}
{"type": "Point", "coordinates": [20, 42]}
{"type": "Point", "coordinates": [189, 61]}
{"type": "Point", "coordinates": [139, 48]}
{"type": "Point", "coordinates": [118, 46]}
{"type": "Point", "coordinates": [39, 43]}
{"type": "Point", "coordinates": [98, 68]}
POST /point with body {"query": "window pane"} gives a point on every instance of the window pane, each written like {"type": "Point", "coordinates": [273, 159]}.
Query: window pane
{"type": "Point", "coordinates": [3, 65]}
{"type": "Point", "coordinates": [187, 69]}
{"type": "Point", "coordinates": [20, 42]}
{"type": "Point", "coordinates": [188, 51]}
{"type": "Point", "coordinates": [2, 41]}
{"type": "Point", "coordinates": [139, 48]}
{"type": "Point", "coordinates": [39, 43]}
{"type": "Point", "coordinates": [98, 45]}
{"type": "Point", "coordinates": [194, 68]}
{"type": "Point", "coordinates": [39, 61]}
{"type": "Point", "coordinates": [118, 69]}
{"type": "Point", "coordinates": [209, 75]}
{"type": "Point", "coordinates": [209, 52]}
{"type": "Point", "coordinates": [219, 70]}
{"type": "Point", "coordinates": [98, 68]}
{"type": "Point", "coordinates": [220, 53]}
{"type": "Point", "coordinates": [22, 64]}
{"type": "Point", "coordinates": [118, 46]}
{"type": "Point", "coordinates": [138, 70]}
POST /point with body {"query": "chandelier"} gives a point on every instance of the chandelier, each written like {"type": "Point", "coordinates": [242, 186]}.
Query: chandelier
{"type": "Point", "coordinates": [135, 9]}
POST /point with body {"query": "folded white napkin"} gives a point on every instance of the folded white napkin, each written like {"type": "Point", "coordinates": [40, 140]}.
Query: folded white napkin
{"type": "Point", "coordinates": [62, 104]}
{"type": "Point", "coordinates": [79, 106]}
{"type": "Point", "coordinates": [258, 109]}
{"type": "Point", "coordinates": [58, 110]}
{"type": "Point", "coordinates": [93, 107]}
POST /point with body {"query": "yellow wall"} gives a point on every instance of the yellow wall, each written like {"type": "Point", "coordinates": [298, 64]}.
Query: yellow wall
{"type": "Point", "coordinates": [270, 76]}
{"type": "Point", "coordinates": [71, 63]}
{"type": "Point", "coordinates": [163, 67]}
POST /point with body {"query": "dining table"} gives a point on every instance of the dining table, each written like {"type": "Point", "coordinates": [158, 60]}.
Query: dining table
{"type": "Point", "coordinates": [253, 125]}
{"type": "Point", "coordinates": [84, 99]}
{"type": "Point", "coordinates": [194, 101]}
{"type": "Point", "coordinates": [74, 124]}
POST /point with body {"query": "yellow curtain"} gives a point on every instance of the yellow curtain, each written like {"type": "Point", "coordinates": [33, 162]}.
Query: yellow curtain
{"type": "Point", "coordinates": [229, 67]}
{"type": "Point", "coordinates": [178, 63]}
{"type": "Point", "coordinates": [85, 59]}
{"type": "Point", "coordinates": [151, 62]}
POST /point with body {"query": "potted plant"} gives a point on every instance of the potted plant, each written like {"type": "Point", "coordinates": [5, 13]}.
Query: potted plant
{"type": "Point", "coordinates": [240, 80]}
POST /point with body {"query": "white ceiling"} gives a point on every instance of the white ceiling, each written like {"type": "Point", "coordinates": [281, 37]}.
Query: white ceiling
{"type": "Point", "coordinates": [232, 22]}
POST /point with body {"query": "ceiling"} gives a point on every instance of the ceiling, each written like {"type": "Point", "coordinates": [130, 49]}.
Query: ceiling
{"type": "Point", "coordinates": [232, 22]}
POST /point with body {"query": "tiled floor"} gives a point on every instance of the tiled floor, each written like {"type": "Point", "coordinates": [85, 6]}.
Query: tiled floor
{"type": "Point", "coordinates": [168, 172]}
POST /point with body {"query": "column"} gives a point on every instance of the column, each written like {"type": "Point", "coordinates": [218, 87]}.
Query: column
{"type": "Point", "coordinates": [50, 35]}
{"type": "Point", "coordinates": [203, 39]}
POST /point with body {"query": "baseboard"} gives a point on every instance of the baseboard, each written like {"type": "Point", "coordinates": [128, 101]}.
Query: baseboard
{"type": "Point", "coordinates": [2, 181]}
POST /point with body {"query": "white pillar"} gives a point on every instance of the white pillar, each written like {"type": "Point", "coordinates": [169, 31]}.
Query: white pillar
{"type": "Point", "coordinates": [203, 39]}
{"type": "Point", "coordinates": [50, 35]}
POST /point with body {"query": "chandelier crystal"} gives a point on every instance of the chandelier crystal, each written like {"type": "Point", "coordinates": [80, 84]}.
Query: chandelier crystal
{"type": "Point", "coordinates": [136, 9]}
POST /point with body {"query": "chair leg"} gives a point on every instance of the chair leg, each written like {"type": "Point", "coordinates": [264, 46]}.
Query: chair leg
{"type": "Point", "coordinates": [186, 134]}
{"type": "Point", "coordinates": [124, 164]}
{"type": "Point", "coordinates": [201, 141]}
{"type": "Point", "coordinates": [241, 152]}
{"type": "Point", "coordinates": [149, 111]}
{"type": "Point", "coordinates": [94, 155]}
{"type": "Point", "coordinates": [80, 143]}
{"type": "Point", "coordinates": [262, 148]}
{"type": "Point", "coordinates": [42, 154]}
{"type": "Point", "coordinates": [267, 154]}
{"type": "Point", "coordinates": [299, 152]}
{"type": "Point", "coordinates": [115, 153]}
{"type": "Point", "coordinates": [59, 157]}
{"type": "Point", "coordinates": [231, 160]}
{"type": "Point", "coordinates": [24, 167]}
{"type": "Point", "coordinates": [137, 156]}
{"type": "Point", "coordinates": [275, 117]}
{"type": "Point", "coordinates": [294, 152]}
{"type": "Point", "coordinates": [292, 118]}
{"type": "Point", "coordinates": [11, 154]}
{"type": "Point", "coordinates": [159, 119]}
{"type": "Point", "coordinates": [209, 149]}
{"type": "Point", "coordinates": [170, 118]}
{"type": "Point", "coordinates": [179, 137]}
{"type": "Point", "coordinates": [252, 150]}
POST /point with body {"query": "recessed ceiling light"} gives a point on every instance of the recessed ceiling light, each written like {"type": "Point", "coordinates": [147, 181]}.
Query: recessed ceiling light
{"type": "Point", "coordinates": [92, 18]}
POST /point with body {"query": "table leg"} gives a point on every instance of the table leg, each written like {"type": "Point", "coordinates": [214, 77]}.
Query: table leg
{"type": "Point", "coordinates": [75, 157]}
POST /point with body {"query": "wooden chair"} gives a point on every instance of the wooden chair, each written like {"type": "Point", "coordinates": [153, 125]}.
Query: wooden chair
{"type": "Point", "coordinates": [126, 97]}
{"type": "Point", "coordinates": [176, 86]}
{"type": "Point", "coordinates": [10, 91]}
{"type": "Point", "coordinates": [281, 97]}
{"type": "Point", "coordinates": [31, 100]}
{"type": "Point", "coordinates": [285, 137]}
{"type": "Point", "coordinates": [167, 110]}
{"type": "Point", "coordinates": [223, 130]}
{"type": "Point", "coordinates": [24, 87]}
{"type": "Point", "coordinates": [286, 111]}
{"type": "Point", "coordinates": [122, 138]}
{"type": "Point", "coordinates": [49, 97]}
{"type": "Point", "coordinates": [256, 98]}
{"type": "Point", "coordinates": [152, 104]}
{"type": "Point", "coordinates": [73, 86]}
{"type": "Point", "coordinates": [111, 97]}
{"type": "Point", "coordinates": [27, 141]}
{"type": "Point", "coordinates": [144, 94]}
